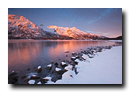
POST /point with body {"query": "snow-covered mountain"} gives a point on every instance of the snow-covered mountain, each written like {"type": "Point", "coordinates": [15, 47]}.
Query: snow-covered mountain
{"type": "Point", "coordinates": [74, 33]}
{"type": "Point", "coordinates": [21, 27]}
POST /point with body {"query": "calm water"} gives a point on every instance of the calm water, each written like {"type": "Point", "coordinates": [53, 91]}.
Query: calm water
{"type": "Point", "coordinates": [24, 54]}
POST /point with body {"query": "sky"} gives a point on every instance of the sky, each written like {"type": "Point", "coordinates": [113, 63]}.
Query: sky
{"type": "Point", "coordinates": [101, 21]}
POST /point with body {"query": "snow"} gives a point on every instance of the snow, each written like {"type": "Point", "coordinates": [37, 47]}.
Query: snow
{"type": "Point", "coordinates": [73, 57]}
{"type": "Point", "coordinates": [39, 82]}
{"type": "Point", "coordinates": [57, 69]}
{"type": "Point", "coordinates": [66, 77]}
{"type": "Point", "coordinates": [63, 63]}
{"type": "Point", "coordinates": [34, 75]}
{"type": "Point", "coordinates": [31, 81]}
{"type": "Point", "coordinates": [39, 67]}
{"type": "Point", "coordinates": [50, 65]}
{"type": "Point", "coordinates": [49, 78]}
{"type": "Point", "coordinates": [104, 68]}
{"type": "Point", "coordinates": [69, 67]}
{"type": "Point", "coordinates": [77, 60]}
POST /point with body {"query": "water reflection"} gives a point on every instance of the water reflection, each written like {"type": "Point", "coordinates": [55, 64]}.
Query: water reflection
{"type": "Point", "coordinates": [30, 53]}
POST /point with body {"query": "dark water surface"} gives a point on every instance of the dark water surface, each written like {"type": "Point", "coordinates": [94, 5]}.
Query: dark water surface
{"type": "Point", "coordinates": [25, 55]}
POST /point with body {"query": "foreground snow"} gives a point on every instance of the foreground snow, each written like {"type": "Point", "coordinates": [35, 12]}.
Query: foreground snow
{"type": "Point", "coordinates": [104, 68]}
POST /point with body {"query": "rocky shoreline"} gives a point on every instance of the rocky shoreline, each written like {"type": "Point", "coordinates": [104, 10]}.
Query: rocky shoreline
{"type": "Point", "coordinates": [55, 70]}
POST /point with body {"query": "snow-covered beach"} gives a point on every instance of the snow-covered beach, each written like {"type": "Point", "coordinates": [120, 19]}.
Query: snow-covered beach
{"type": "Point", "coordinates": [104, 68]}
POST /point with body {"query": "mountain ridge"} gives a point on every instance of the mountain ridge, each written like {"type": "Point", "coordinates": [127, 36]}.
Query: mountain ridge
{"type": "Point", "coordinates": [74, 33]}
{"type": "Point", "coordinates": [22, 28]}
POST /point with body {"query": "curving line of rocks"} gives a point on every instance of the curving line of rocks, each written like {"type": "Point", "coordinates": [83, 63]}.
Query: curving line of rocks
{"type": "Point", "coordinates": [58, 70]}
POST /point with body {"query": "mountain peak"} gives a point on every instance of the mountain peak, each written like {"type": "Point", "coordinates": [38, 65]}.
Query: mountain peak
{"type": "Point", "coordinates": [74, 33]}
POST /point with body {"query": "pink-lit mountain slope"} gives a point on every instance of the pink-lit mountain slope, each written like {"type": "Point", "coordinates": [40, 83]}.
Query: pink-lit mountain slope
{"type": "Point", "coordinates": [19, 26]}
{"type": "Point", "coordinates": [74, 33]}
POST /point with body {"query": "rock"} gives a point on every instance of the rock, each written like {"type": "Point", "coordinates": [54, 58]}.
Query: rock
{"type": "Point", "coordinates": [39, 82]}
{"type": "Point", "coordinates": [63, 64]}
{"type": "Point", "coordinates": [73, 53]}
{"type": "Point", "coordinates": [83, 58]}
{"type": "Point", "coordinates": [39, 69]}
{"type": "Point", "coordinates": [12, 78]}
{"type": "Point", "coordinates": [45, 80]}
{"type": "Point", "coordinates": [13, 73]}
{"type": "Point", "coordinates": [34, 77]}
{"type": "Point", "coordinates": [76, 61]}
{"type": "Point", "coordinates": [77, 56]}
{"type": "Point", "coordinates": [28, 69]}
{"type": "Point", "coordinates": [69, 67]}
{"type": "Point", "coordinates": [99, 50]}
{"type": "Point", "coordinates": [58, 69]}
{"type": "Point", "coordinates": [73, 58]}
{"type": "Point", "coordinates": [91, 56]}
{"type": "Point", "coordinates": [56, 64]}
{"type": "Point", "coordinates": [49, 66]}
{"type": "Point", "coordinates": [31, 82]}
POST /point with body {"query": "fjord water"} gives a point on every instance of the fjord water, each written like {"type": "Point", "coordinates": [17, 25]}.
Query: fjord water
{"type": "Point", "coordinates": [25, 55]}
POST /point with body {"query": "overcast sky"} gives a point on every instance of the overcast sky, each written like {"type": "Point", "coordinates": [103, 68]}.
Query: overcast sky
{"type": "Point", "coordinates": [102, 21]}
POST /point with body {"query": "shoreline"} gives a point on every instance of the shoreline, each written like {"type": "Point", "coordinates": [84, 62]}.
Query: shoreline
{"type": "Point", "coordinates": [104, 68]}
{"type": "Point", "coordinates": [60, 74]}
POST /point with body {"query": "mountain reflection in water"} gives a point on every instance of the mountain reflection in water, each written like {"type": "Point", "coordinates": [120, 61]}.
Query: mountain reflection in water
{"type": "Point", "coordinates": [31, 53]}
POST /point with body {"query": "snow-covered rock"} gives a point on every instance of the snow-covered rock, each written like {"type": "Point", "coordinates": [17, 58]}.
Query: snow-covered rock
{"type": "Point", "coordinates": [50, 65]}
{"type": "Point", "coordinates": [57, 69]}
{"type": "Point", "coordinates": [38, 69]}
{"type": "Point", "coordinates": [63, 64]}
{"type": "Point", "coordinates": [47, 80]}
{"type": "Point", "coordinates": [31, 82]}
{"type": "Point", "coordinates": [39, 82]}
{"type": "Point", "coordinates": [73, 58]}
{"type": "Point", "coordinates": [69, 67]}
{"type": "Point", "coordinates": [34, 77]}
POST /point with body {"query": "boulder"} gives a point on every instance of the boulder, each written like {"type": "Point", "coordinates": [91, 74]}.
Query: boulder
{"type": "Point", "coordinates": [63, 64]}
{"type": "Point", "coordinates": [31, 82]}
{"type": "Point", "coordinates": [56, 64]}
{"type": "Point", "coordinates": [13, 73]}
{"type": "Point", "coordinates": [58, 69]}
{"type": "Point", "coordinates": [49, 66]}
{"type": "Point", "coordinates": [34, 77]}
{"type": "Point", "coordinates": [12, 78]}
{"type": "Point", "coordinates": [76, 61]}
{"type": "Point", "coordinates": [39, 69]}
{"type": "Point", "coordinates": [45, 80]}
{"type": "Point", "coordinates": [69, 67]}
{"type": "Point", "coordinates": [73, 58]}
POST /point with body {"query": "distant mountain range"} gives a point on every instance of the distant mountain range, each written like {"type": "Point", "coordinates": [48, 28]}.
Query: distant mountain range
{"type": "Point", "coordinates": [20, 27]}
{"type": "Point", "coordinates": [75, 33]}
